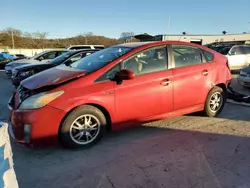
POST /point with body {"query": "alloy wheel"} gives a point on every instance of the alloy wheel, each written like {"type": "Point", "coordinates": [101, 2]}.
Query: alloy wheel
{"type": "Point", "coordinates": [215, 102]}
{"type": "Point", "coordinates": [85, 129]}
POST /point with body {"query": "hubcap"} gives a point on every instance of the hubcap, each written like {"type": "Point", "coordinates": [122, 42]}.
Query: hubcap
{"type": "Point", "coordinates": [216, 102]}
{"type": "Point", "coordinates": [84, 129]}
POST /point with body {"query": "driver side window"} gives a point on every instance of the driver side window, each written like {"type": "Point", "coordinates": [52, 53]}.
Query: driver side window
{"type": "Point", "coordinates": [148, 61]}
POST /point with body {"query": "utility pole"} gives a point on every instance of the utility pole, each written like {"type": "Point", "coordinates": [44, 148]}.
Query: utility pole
{"type": "Point", "coordinates": [169, 24]}
{"type": "Point", "coordinates": [12, 36]}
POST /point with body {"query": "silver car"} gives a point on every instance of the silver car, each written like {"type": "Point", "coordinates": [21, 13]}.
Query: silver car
{"type": "Point", "coordinates": [238, 57]}
{"type": "Point", "coordinates": [244, 77]}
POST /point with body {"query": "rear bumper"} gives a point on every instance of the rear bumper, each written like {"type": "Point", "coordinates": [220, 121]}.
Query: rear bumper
{"type": "Point", "coordinates": [44, 124]}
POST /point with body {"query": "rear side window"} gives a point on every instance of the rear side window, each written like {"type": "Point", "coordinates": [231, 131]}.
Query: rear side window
{"type": "Point", "coordinates": [240, 50]}
{"type": "Point", "coordinates": [80, 47]}
{"type": "Point", "coordinates": [99, 47]}
{"type": "Point", "coordinates": [208, 56]}
{"type": "Point", "coordinates": [186, 55]}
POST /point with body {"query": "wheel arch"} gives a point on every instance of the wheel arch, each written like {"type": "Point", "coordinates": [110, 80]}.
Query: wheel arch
{"type": "Point", "coordinates": [101, 108]}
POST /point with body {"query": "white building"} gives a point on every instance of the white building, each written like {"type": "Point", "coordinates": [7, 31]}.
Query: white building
{"type": "Point", "coordinates": [199, 39]}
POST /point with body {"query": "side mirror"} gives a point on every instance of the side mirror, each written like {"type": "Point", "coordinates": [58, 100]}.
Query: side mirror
{"type": "Point", "coordinates": [232, 53]}
{"type": "Point", "coordinates": [41, 58]}
{"type": "Point", "coordinates": [125, 75]}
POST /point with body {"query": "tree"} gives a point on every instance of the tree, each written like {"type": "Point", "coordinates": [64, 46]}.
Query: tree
{"type": "Point", "coordinates": [224, 32]}
{"type": "Point", "coordinates": [38, 38]}
{"type": "Point", "coordinates": [10, 30]}
{"type": "Point", "coordinates": [127, 34]}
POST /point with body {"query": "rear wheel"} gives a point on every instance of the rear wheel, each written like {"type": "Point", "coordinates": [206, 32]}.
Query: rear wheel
{"type": "Point", "coordinates": [83, 127]}
{"type": "Point", "coordinates": [215, 102]}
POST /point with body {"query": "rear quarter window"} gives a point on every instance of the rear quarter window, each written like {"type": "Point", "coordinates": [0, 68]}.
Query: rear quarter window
{"type": "Point", "coordinates": [208, 56]}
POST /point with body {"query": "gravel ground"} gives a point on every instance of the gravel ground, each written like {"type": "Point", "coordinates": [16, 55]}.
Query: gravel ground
{"type": "Point", "coordinates": [187, 151]}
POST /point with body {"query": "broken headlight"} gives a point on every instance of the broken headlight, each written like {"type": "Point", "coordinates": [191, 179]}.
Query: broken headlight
{"type": "Point", "coordinates": [26, 73]}
{"type": "Point", "coordinates": [39, 100]}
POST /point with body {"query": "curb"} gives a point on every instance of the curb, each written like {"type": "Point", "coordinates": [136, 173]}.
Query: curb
{"type": "Point", "coordinates": [238, 103]}
{"type": "Point", "coordinates": [7, 172]}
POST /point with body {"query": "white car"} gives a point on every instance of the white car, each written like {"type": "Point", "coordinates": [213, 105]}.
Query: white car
{"type": "Point", "coordinates": [238, 56]}
{"type": "Point", "coordinates": [80, 47]}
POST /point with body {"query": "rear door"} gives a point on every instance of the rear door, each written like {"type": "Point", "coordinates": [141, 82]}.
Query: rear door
{"type": "Point", "coordinates": [191, 76]}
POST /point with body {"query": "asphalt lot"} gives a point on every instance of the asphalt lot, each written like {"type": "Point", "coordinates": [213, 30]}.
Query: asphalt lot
{"type": "Point", "coordinates": [187, 151]}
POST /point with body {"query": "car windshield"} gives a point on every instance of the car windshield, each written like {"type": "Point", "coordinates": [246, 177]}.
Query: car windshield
{"type": "Point", "coordinates": [99, 59]}
{"type": "Point", "coordinates": [61, 58]}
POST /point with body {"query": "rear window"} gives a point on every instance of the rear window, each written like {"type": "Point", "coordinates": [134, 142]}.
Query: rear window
{"type": "Point", "coordinates": [99, 47]}
{"type": "Point", "coordinates": [208, 56]}
{"type": "Point", "coordinates": [80, 47]}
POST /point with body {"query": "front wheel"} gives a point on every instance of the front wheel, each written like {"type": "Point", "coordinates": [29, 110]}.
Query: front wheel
{"type": "Point", "coordinates": [215, 102]}
{"type": "Point", "coordinates": [83, 127]}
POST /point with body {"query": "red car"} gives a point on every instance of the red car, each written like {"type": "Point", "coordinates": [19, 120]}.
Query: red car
{"type": "Point", "coordinates": [119, 86]}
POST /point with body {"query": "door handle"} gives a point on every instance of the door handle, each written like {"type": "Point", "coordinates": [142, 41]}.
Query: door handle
{"type": "Point", "coordinates": [205, 72]}
{"type": "Point", "coordinates": [165, 82]}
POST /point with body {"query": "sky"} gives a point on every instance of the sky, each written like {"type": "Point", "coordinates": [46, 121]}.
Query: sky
{"type": "Point", "coordinates": [66, 18]}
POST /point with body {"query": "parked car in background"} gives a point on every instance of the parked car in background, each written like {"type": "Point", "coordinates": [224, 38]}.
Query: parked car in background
{"type": "Point", "coordinates": [244, 77]}
{"type": "Point", "coordinates": [78, 47]}
{"type": "Point", "coordinates": [19, 56]}
{"type": "Point", "coordinates": [41, 57]}
{"type": "Point", "coordinates": [22, 72]}
{"type": "Point", "coordinates": [5, 58]}
{"type": "Point", "coordinates": [238, 55]}
{"type": "Point", "coordinates": [119, 86]}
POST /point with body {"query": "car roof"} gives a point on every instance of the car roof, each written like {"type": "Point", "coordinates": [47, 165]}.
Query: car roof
{"type": "Point", "coordinates": [82, 50]}
{"type": "Point", "coordinates": [153, 43]}
{"type": "Point", "coordinates": [56, 50]}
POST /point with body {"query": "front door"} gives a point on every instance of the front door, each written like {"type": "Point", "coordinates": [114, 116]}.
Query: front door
{"type": "Point", "coordinates": [150, 93]}
{"type": "Point", "coordinates": [190, 76]}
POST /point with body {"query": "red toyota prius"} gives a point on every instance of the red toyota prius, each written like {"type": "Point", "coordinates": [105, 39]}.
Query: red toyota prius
{"type": "Point", "coordinates": [119, 86]}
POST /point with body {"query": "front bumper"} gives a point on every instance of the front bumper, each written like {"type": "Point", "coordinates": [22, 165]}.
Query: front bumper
{"type": "Point", "coordinates": [44, 125]}
{"type": "Point", "coordinates": [8, 72]}
{"type": "Point", "coordinates": [244, 81]}
{"type": "Point", "coordinates": [15, 81]}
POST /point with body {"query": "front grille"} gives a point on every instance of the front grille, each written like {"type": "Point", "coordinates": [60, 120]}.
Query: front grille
{"type": "Point", "coordinates": [23, 93]}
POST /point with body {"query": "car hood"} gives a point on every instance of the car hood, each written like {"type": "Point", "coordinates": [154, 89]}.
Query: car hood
{"type": "Point", "coordinates": [22, 62]}
{"type": "Point", "coordinates": [30, 66]}
{"type": "Point", "coordinates": [53, 76]}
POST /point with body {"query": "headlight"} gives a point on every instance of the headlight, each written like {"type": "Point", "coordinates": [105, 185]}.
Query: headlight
{"type": "Point", "coordinates": [14, 72]}
{"type": "Point", "coordinates": [39, 100]}
{"type": "Point", "coordinates": [26, 73]}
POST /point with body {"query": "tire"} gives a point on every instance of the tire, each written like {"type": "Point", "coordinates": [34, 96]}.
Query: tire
{"type": "Point", "coordinates": [74, 127]}
{"type": "Point", "coordinates": [209, 109]}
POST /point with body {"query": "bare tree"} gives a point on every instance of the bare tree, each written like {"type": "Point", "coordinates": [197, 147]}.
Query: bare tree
{"type": "Point", "coordinates": [127, 34]}
{"type": "Point", "coordinates": [15, 32]}
{"type": "Point", "coordinates": [37, 37]}
{"type": "Point", "coordinates": [87, 35]}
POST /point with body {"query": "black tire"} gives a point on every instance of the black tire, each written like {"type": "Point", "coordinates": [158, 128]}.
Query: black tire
{"type": "Point", "coordinates": [65, 133]}
{"type": "Point", "coordinates": [207, 110]}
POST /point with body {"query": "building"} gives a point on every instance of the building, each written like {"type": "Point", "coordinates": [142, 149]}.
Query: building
{"type": "Point", "coordinates": [199, 39]}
